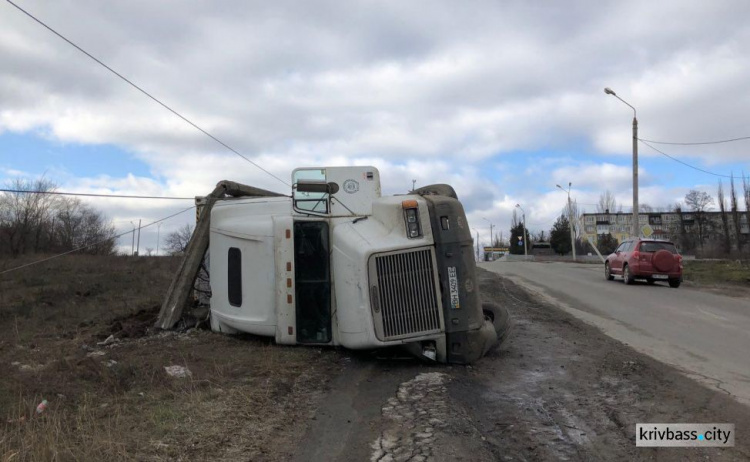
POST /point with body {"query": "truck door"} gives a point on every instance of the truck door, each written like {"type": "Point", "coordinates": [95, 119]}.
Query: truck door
{"type": "Point", "coordinates": [312, 281]}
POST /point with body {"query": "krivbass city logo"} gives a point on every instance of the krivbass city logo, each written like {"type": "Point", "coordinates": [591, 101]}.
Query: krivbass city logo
{"type": "Point", "coordinates": [703, 435]}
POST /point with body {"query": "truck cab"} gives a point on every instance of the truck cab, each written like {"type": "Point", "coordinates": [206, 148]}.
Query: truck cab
{"type": "Point", "coordinates": [337, 263]}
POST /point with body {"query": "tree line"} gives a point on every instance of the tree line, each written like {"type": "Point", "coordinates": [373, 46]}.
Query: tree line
{"type": "Point", "coordinates": [32, 223]}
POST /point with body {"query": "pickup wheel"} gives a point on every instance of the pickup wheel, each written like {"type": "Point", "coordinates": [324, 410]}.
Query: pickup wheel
{"type": "Point", "coordinates": [627, 276]}
{"type": "Point", "coordinates": [608, 272]}
{"type": "Point", "coordinates": [674, 283]}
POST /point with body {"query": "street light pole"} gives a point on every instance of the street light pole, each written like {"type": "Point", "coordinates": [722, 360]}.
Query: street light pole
{"type": "Point", "coordinates": [570, 220]}
{"type": "Point", "coordinates": [636, 225]}
{"type": "Point", "coordinates": [525, 234]}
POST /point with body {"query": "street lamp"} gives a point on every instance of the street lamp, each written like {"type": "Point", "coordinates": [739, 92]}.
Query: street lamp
{"type": "Point", "coordinates": [525, 234]}
{"type": "Point", "coordinates": [570, 220]}
{"type": "Point", "coordinates": [492, 242]}
{"type": "Point", "coordinates": [635, 229]}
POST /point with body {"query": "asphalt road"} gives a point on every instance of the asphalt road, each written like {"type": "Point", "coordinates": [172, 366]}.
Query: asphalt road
{"type": "Point", "coordinates": [704, 335]}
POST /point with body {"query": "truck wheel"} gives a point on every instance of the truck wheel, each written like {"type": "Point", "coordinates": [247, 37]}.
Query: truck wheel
{"type": "Point", "coordinates": [674, 283]}
{"type": "Point", "coordinates": [500, 319]}
{"type": "Point", "coordinates": [627, 276]}
{"type": "Point", "coordinates": [608, 272]}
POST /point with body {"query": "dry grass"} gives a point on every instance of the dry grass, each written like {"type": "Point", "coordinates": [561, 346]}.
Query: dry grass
{"type": "Point", "coordinates": [717, 272]}
{"type": "Point", "coordinates": [247, 398]}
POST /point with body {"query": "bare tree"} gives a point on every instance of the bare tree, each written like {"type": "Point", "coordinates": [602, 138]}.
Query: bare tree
{"type": "Point", "coordinates": [607, 203]}
{"type": "Point", "coordinates": [35, 220]}
{"type": "Point", "coordinates": [176, 242]}
{"type": "Point", "coordinates": [735, 214]}
{"type": "Point", "coordinates": [645, 208]}
{"type": "Point", "coordinates": [699, 202]}
{"type": "Point", "coordinates": [724, 219]}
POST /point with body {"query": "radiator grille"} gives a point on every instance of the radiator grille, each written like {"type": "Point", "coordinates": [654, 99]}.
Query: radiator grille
{"type": "Point", "coordinates": [405, 302]}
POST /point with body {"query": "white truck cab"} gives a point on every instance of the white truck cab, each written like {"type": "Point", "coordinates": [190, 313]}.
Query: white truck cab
{"type": "Point", "coordinates": [339, 264]}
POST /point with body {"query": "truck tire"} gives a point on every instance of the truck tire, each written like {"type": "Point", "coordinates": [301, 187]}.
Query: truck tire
{"type": "Point", "coordinates": [608, 272]}
{"type": "Point", "coordinates": [500, 318]}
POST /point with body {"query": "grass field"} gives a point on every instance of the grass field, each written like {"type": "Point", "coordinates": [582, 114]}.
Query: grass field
{"type": "Point", "coordinates": [116, 401]}
{"type": "Point", "coordinates": [717, 272]}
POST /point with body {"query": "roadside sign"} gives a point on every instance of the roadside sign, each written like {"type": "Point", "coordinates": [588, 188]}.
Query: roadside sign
{"type": "Point", "coordinates": [647, 230]}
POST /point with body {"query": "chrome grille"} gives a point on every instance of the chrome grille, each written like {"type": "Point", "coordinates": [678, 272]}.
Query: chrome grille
{"type": "Point", "coordinates": [404, 294]}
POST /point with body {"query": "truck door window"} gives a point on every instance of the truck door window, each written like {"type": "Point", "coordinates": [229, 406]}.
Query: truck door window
{"type": "Point", "coordinates": [312, 282]}
{"type": "Point", "coordinates": [315, 202]}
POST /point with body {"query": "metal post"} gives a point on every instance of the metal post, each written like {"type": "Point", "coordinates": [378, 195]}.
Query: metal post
{"type": "Point", "coordinates": [636, 224]}
{"type": "Point", "coordinates": [138, 249]}
{"type": "Point", "coordinates": [525, 236]}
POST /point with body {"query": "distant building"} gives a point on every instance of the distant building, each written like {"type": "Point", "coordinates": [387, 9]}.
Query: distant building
{"type": "Point", "coordinates": [683, 228]}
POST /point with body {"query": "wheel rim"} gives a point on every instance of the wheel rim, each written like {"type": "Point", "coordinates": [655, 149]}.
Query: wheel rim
{"type": "Point", "coordinates": [626, 273]}
{"type": "Point", "coordinates": [606, 271]}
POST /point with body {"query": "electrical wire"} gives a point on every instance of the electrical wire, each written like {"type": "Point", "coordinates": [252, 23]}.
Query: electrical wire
{"type": "Point", "coordinates": [684, 163]}
{"type": "Point", "coordinates": [701, 143]}
{"type": "Point", "coordinates": [144, 91]}
{"type": "Point", "coordinates": [95, 243]}
{"type": "Point", "coordinates": [94, 195]}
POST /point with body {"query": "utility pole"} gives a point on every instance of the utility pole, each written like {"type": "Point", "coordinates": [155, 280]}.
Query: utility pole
{"type": "Point", "coordinates": [570, 221]}
{"type": "Point", "coordinates": [138, 249]}
{"type": "Point", "coordinates": [413, 184]}
{"type": "Point", "coordinates": [477, 245]}
{"type": "Point", "coordinates": [132, 243]}
{"type": "Point", "coordinates": [158, 231]}
{"type": "Point", "coordinates": [525, 234]}
{"type": "Point", "coordinates": [492, 240]}
{"type": "Point", "coordinates": [636, 225]}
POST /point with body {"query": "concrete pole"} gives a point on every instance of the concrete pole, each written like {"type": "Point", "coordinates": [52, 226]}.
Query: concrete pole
{"type": "Point", "coordinates": [132, 243]}
{"type": "Point", "coordinates": [158, 232]}
{"type": "Point", "coordinates": [636, 224]}
{"type": "Point", "coordinates": [477, 243]}
{"type": "Point", "coordinates": [570, 223]}
{"type": "Point", "coordinates": [525, 236]}
{"type": "Point", "coordinates": [138, 248]}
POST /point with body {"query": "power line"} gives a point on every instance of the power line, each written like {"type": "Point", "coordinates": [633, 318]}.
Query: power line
{"type": "Point", "coordinates": [698, 143]}
{"type": "Point", "coordinates": [684, 163]}
{"type": "Point", "coordinates": [94, 195]}
{"type": "Point", "coordinates": [144, 91]}
{"type": "Point", "coordinates": [95, 243]}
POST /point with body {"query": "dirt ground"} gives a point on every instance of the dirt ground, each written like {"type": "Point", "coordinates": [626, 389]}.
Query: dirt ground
{"type": "Point", "coordinates": [557, 390]}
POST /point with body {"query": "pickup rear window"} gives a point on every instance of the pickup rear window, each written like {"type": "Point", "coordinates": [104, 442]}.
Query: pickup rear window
{"type": "Point", "coordinates": [657, 246]}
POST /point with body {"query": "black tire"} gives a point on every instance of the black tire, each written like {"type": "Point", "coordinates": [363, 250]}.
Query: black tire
{"type": "Point", "coordinates": [500, 318]}
{"type": "Point", "coordinates": [627, 276]}
{"type": "Point", "coordinates": [608, 272]}
{"type": "Point", "coordinates": [674, 283]}
{"type": "Point", "coordinates": [650, 281]}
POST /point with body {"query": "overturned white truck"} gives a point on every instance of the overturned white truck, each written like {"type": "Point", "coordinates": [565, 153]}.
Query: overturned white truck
{"type": "Point", "coordinates": [339, 264]}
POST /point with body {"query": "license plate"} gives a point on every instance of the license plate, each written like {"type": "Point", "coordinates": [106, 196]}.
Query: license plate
{"type": "Point", "coordinates": [660, 276]}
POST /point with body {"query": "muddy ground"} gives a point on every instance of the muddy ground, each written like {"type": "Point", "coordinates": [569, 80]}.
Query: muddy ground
{"type": "Point", "coordinates": [557, 390]}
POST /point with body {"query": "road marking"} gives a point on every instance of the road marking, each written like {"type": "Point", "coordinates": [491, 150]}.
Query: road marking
{"type": "Point", "coordinates": [708, 313]}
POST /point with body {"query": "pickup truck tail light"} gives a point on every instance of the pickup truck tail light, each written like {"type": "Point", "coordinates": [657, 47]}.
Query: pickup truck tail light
{"type": "Point", "coordinates": [636, 255]}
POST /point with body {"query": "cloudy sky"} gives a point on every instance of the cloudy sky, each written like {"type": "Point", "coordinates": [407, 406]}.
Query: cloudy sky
{"type": "Point", "coordinates": [501, 99]}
